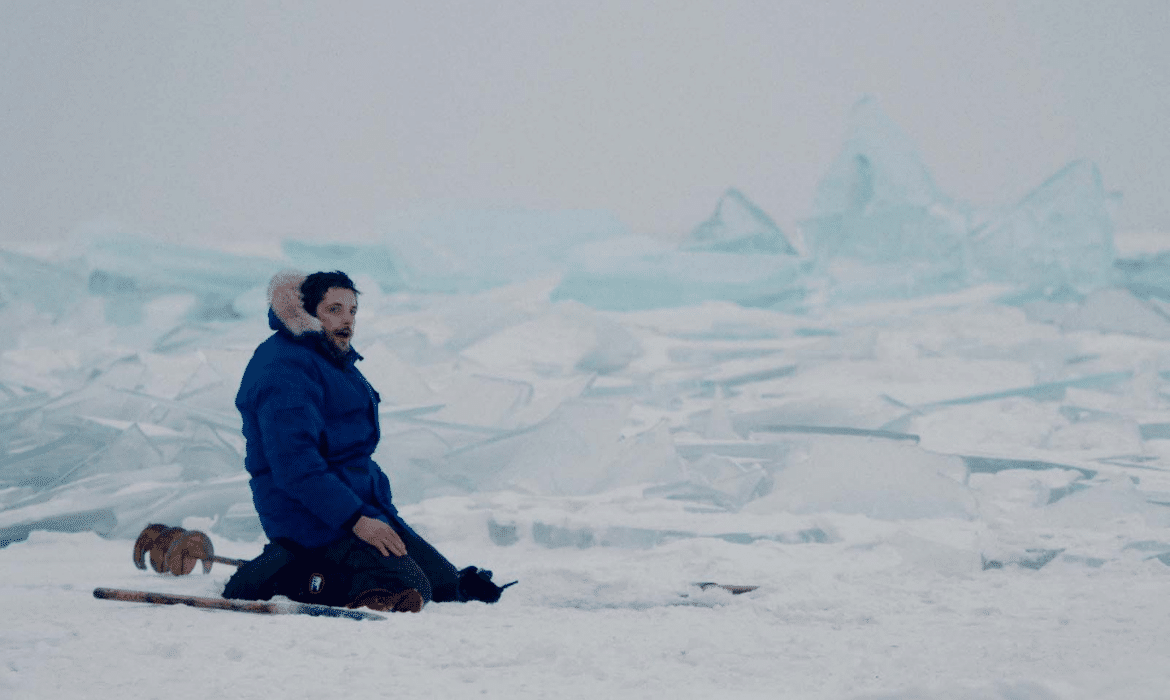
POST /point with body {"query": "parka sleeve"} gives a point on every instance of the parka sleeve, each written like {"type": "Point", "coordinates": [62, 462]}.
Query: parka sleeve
{"type": "Point", "coordinates": [292, 427]}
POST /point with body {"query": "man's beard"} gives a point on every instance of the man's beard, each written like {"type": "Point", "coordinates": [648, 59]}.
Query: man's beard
{"type": "Point", "coordinates": [339, 343]}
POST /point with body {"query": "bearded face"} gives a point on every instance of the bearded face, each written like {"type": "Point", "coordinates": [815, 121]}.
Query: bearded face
{"type": "Point", "coordinates": [337, 313]}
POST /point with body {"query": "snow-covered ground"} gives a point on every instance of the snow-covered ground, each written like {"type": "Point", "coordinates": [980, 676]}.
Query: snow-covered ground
{"type": "Point", "coordinates": [876, 616]}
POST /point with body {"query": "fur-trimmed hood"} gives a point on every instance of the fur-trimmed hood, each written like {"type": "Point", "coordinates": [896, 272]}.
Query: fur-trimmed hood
{"type": "Point", "coordinates": [288, 305]}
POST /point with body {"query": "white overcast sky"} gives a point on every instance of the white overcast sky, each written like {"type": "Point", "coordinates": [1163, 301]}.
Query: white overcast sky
{"type": "Point", "coordinates": [255, 120]}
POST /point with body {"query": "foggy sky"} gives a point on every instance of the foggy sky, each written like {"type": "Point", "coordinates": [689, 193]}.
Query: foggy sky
{"type": "Point", "coordinates": [249, 120]}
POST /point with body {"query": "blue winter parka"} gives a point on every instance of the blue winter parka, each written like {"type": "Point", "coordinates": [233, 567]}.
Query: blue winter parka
{"type": "Point", "coordinates": [310, 420]}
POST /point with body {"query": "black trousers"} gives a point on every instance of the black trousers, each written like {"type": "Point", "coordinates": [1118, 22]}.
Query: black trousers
{"type": "Point", "coordinates": [338, 573]}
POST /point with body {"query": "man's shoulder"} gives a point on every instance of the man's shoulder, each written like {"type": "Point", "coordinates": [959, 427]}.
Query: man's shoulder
{"type": "Point", "coordinates": [280, 351]}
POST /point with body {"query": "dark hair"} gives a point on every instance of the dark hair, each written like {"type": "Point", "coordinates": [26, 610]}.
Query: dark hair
{"type": "Point", "coordinates": [318, 284]}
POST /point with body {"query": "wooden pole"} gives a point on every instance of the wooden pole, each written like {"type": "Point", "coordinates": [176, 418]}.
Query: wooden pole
{"type": "Point", "coordinates": [263, 607]}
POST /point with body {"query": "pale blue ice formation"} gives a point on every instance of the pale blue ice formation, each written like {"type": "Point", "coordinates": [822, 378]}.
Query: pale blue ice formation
{"type": "Point", "coordinates": [129, 271]}
{"type": "Point", "coordinates": [1059, 235]}
{"type": "Point", "coordinates": [1146, 275]}
{"type": "Point", "coordinates": [739, 226]}
{"type": "Point", "coordinates": [880, 227]}
{"type": "Point", "coordinates": [878, 168]}
{"type": "Point", "coordinates": [50, 288]}
{"type": "Point", "coordinates": [640, 273]}
{"type": "Point", "coordinates": [738, 255]}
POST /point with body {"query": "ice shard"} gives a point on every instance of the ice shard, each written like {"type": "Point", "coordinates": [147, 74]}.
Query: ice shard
{"type": "Point", "coordinates": [878, 209]}
{"type": "Point", "coordinates": [1059, 236]}
{"type": "Point", "coordinates": [739, 226]}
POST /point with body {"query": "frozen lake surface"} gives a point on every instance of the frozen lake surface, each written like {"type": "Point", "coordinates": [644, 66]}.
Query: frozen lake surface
{"type": "Point", "coordinates": [937, 439]}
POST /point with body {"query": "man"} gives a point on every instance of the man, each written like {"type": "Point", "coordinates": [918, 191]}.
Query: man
{"type": "Point", "coordinates": [310, 420]}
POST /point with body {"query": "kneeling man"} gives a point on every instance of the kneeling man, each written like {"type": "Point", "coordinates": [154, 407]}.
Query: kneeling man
{"type": "Point", "coordinates": [311, 426]}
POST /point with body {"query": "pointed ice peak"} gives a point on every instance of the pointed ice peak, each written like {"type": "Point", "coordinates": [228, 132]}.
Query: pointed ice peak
{"type": "Point", "coordinates": [739, 226]}
{"type": "Point", "coordinates": [1060, 234]}
{"type": "Point", "coordinates": [878, 166]}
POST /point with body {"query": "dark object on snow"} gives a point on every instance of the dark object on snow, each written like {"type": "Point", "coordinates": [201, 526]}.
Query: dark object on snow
{"type": "Point", "coordinates": [345, 571]}
{"type": "Point", "coordinates": [1032, 559]}
{"type": "Point", "coordinates": [735, 589]}
{"type": "Point", "coordinates": [476, 584]}
{"type": "Point", "coordinates": [264, 608]}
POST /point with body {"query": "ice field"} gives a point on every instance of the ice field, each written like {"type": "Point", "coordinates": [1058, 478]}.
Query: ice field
{"type": "Point", "coordinates": [937, 437]}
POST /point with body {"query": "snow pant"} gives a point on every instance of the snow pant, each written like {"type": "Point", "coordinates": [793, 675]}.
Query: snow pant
{"type": "Point", "coordinates": [338, 573]}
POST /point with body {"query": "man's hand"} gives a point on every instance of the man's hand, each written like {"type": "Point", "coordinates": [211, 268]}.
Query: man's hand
{"type": "Point", "coordinates": [380, 535]}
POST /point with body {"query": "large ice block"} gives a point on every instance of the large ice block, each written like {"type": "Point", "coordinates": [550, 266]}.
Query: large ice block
{"type": "Point", "coordinates": [50, 287]}
{"type": "Point", "coordinates": [883, 479]}
{"type": "Point", "coordinates": [1059, 235]}
{"type": "Point", "coordinates": [739, 226]}
{"type": "Point", "coordinates": [877, 205]}
{"type": "Point", "coordinates": [568, 338]}
{"type": "Point", "coordinates": [577, 450]}
{"type": "Point", "coordinates": [878, 167]}
{"type": "Point", "coordinates": [635, 273]}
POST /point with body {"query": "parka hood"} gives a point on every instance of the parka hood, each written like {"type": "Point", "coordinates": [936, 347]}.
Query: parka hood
{"type": "Point", "coordinates": [286, 304]}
